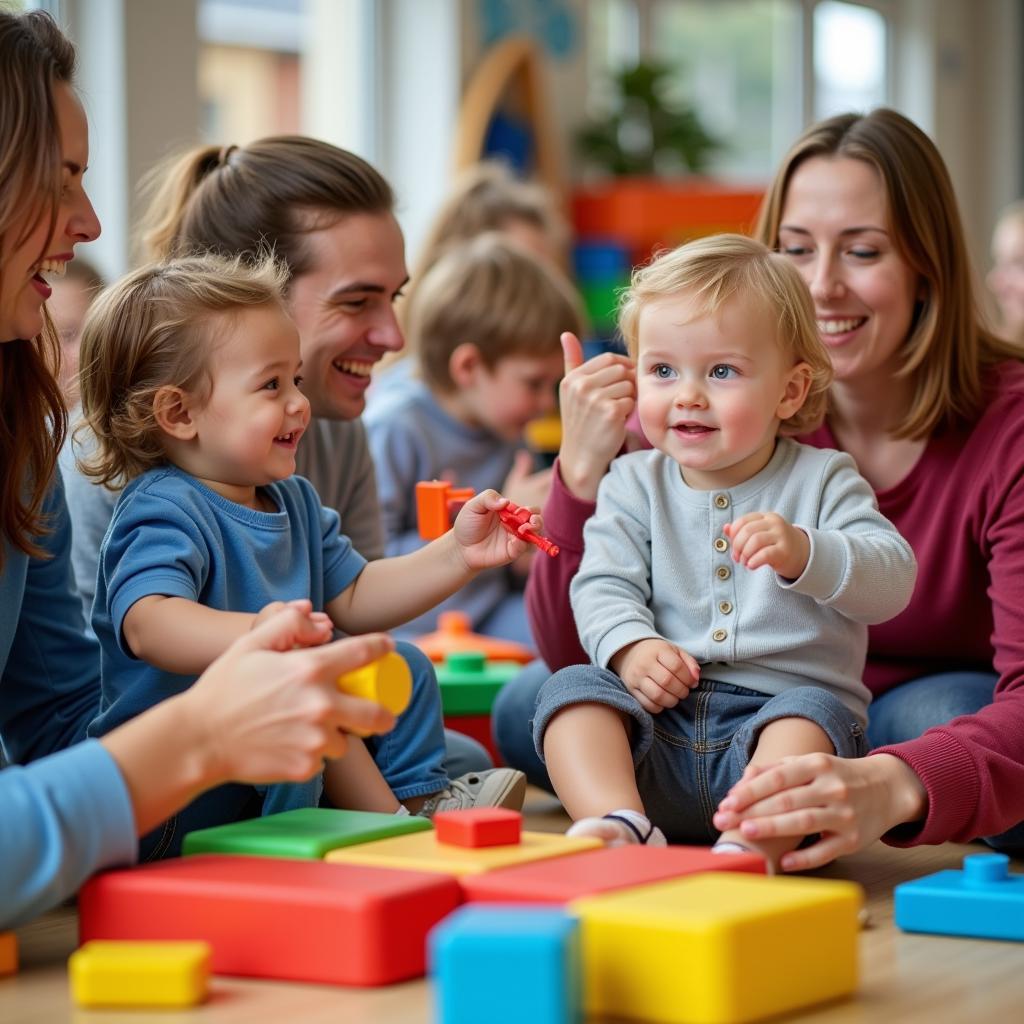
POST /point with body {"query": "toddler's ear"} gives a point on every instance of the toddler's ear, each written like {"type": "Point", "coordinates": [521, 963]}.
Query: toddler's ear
{"type": "Point", "coordinates": [463, 363]}
{"type": "Point", "coordinates": [173, 413]}
{"type": "Point", "coordinates": [798, 383]}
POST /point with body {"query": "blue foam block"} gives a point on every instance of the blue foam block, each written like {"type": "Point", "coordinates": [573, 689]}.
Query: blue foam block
{"type": "Point", "coordinates": [983, 901]}
{"type": "Point", "coordinates": [506, 965]}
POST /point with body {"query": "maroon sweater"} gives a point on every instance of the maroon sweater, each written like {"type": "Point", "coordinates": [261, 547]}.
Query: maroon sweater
{"type": "Point", "coordinates": [962, 510]}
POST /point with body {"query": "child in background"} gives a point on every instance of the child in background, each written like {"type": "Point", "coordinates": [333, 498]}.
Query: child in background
{"type": "Point", "coordinates": [1006, 278]}
{"type": "Point", "coordinates": [68, 304]}
{"type": "Point", "coordinates": [484, 323]}
{"type": "Point", "coordinates": [190, 384]}
{"type": "Point", "coordinates": [729, 575]}
{"type": "Point", "coordinates": [485, 197]}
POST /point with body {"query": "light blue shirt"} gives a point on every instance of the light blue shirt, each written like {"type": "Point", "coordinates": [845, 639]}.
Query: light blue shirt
{"type": "Point", "coordinates": [69, 814]}
{"type": "Point", "coordinates": [412, 439]}
{"type": "Point", "coordinates": [173, 536]}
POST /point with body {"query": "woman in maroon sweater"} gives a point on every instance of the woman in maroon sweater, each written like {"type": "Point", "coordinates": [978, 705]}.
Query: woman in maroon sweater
{"type": "Point", "coordinates": [931, 405]}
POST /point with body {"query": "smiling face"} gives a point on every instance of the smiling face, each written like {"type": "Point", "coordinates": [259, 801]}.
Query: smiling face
{"type": "Point", "coordinates": [835, 229]}
{"type": "Point", "coordinates": [713, 389]}
{"type": "Point", "coordinates": [507, 396]}
{"type": "Point", "coordinates": [343, 308]}
{"type": "Point", "coordinates": [246, 432]}
{"type": "Point", "coordinates": [29, 250]}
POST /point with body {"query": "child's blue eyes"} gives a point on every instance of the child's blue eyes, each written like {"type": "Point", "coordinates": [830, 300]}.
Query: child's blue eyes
{"type": "Point", "coordinates": [720, 371]}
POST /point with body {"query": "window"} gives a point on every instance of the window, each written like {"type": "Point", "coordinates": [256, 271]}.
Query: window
{"type": "Point", "coordinates": [850, 47]}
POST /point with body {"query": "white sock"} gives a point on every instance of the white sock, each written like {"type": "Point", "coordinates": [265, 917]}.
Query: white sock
{"type": "Point", "coordinates": [402, 812]}
{"type": "Point", "coordinates": [727, 847]}
{"type": "Point", "coordinates": [620, 828]}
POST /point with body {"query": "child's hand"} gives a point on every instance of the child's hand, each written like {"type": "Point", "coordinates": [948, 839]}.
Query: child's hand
{"type": "Point", "coordinates": [482, 538]}
{"type": "Point", "coordinates": [657, 673]}
{"type": "Point", "coordinates": [764, 538]}
{"type": "Point", "coordinates": [314, 628]}
{"type": "Point", "coordinates": [525, 487]}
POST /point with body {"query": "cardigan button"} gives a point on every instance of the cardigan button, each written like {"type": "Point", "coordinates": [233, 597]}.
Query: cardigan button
{"type": "Point", "coordinates": [723, 572]}
{"type": "Point", "coordinates": [719, 635]}
{"type": "Point", "coordinates": [721, 544]}
{"type": "Point", "coordinates": [721, 501]}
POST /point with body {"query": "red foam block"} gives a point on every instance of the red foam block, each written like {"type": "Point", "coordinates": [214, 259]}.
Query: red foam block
{"type": "Point", "coordinates": [562, 879]}
{"type": "Point", "coordinates": [479, 826]}
{"type": "Point", "coordinates": [298, 920]}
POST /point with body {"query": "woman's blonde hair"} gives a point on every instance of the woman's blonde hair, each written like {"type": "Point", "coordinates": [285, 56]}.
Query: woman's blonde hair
{"type": "Point", "coordinates": [949, 348]}
{"type": "Point", "coordinates": [493, 293]}
{"type": "Point", "coordinates": [34, 57]}
{"type": "Point", "coordinates": [711, 271]}
{"type": "Point", "coordinates": [152, 329]}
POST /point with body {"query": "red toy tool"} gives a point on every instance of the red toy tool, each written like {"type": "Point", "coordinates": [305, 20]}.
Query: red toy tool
{"type": "Point", "coordinates": [438, 502]}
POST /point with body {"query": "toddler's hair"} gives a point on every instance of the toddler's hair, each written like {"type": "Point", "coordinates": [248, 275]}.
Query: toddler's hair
{"type": "Point", "coordinates": [713, 270]}
{"type": "Point", "coordinates": [155, 328]}
{"type": "Point", "coordinates": [494, 294]}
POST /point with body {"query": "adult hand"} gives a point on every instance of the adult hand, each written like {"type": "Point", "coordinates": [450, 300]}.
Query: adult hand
{"type": "Point", "coordinates": [523, 486]}
{"type": "Point", "coordinates": [657, 673]}
{"type": "Point", "coordinates": [596, 399]}
{"type": "Point", "coordinates": [270, 713]}
{"type": "Point", "coordinates": [765, 538]}
{"type": "Point", "coordinates": [851, 803]}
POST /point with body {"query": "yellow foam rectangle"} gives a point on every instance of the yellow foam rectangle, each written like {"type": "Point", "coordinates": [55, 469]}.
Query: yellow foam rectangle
{"type": "Point", "coordinates": [140, 974]}
{"type": "Point", "coordinates": [420, 851]}
{"type": "Point", "coordinates": [718, 947]}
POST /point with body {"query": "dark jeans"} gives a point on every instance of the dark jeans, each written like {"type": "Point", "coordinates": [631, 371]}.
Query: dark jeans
{"type": "Point", "coordinates": [903, 713]}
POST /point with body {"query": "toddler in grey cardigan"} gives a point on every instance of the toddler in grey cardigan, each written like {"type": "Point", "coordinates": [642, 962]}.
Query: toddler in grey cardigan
{"type": "Point", "coordinates": [728, 576]}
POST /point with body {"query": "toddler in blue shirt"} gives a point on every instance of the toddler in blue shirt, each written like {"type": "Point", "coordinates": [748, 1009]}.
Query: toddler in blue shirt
{"type": "Point", "coordinates": [191, 387]}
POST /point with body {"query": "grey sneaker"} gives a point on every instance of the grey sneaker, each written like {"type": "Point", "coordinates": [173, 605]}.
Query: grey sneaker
{"type": "Point", "coordinates": [496, 787]}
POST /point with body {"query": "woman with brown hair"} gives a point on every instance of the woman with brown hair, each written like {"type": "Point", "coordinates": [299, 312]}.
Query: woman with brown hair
{"type": "Point", "coordinates": [256, 715]}
{"type": "Point", "coordinates": [931, 405]}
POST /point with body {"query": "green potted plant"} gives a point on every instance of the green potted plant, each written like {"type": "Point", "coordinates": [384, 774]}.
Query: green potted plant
{"type": "Point", "coordinates": [654, 152]}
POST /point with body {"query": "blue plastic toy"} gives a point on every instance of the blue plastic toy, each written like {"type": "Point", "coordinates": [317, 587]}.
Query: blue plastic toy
{"type": "Point", "coordinates": [506, 965]}
{"type": "Point", "coordinates": [984, 901]}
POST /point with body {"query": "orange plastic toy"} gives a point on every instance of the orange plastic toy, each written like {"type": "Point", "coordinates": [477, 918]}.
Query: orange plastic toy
{"type": "Point", "coordinates": [437, 503]}
{"type": "Point", "coordinates": [454, 635]}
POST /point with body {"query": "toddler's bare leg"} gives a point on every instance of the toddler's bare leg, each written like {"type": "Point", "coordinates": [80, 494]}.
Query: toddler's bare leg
{"type": "Point", "coordinates": [354, 782]}
{"type": "Point", "coordinates": [782, 738]}
{"type": "Point", "coordinates": [586, 747]}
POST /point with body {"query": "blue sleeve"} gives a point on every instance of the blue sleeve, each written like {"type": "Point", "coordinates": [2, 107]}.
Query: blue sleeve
{"type": "Point", "coordinates": [154, 546]}
{"type": "Point", "coordinates": [397, 447]}
{"type": "Point", "coordinates": [49, 684]}
{"type": "Point", "coordinates": [61, 819]}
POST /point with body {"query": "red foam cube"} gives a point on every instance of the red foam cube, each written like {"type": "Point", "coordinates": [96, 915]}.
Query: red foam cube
{"type": "Point", "coordinates": [479, 826]}
{"type": "Point", "coordinates": [298, 920]}
{"type": "Point", "coordinates": [562, 879]}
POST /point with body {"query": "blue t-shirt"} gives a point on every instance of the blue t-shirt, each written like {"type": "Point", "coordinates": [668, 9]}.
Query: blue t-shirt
{"type": "Point", "coordinates": [172, 535]}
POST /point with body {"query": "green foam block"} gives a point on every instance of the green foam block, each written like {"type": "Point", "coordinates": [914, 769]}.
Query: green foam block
{"type": "Point", "coordinates": [308, 833]}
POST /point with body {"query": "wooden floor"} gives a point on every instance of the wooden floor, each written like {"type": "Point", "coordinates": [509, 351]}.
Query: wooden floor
{"type": "Point", "coordinates": [907, 978]}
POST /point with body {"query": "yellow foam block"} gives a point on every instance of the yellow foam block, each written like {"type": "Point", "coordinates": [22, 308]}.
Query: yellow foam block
{"type": "Point", "coordinates": [8, 953]}
{"type": "Point", "coordinates": [420, 851]}
{"type": "Point", "coordinates": [386, 681]}
{"type": "Point", "coordinates": [141, 974]}
{"type": "Point", "coordinates": [718, 947]}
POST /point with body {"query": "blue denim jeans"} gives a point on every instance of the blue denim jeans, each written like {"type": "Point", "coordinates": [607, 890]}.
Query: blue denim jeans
{"type": "Point", "coordinates": [417, 757]}
{"type": "Point", "coordinates": [908, 710]}
{"type": "Point", "coordinates": [688, 757]}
